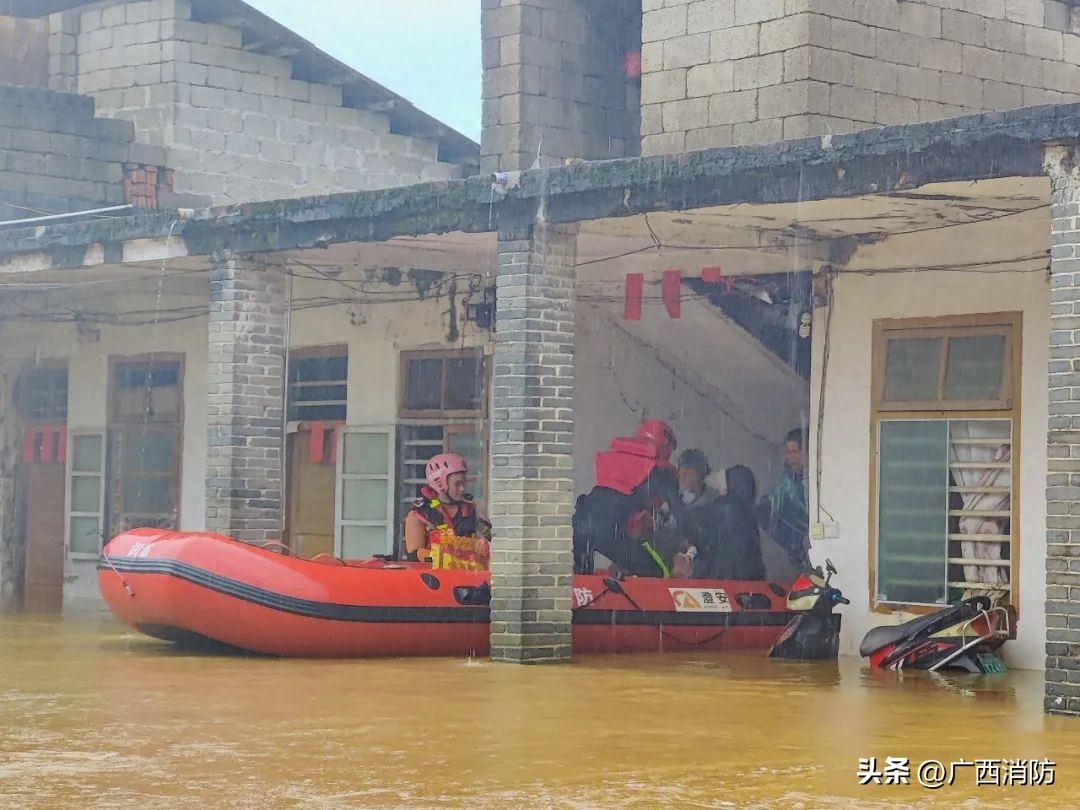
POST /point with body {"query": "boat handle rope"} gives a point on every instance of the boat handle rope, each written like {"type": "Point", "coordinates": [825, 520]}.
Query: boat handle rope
{"type": "Point", "coordinates": [289, 553]}
{"type": "Point", "coordinates": [123, 581]}
{"type": "Point", "coordinates": [613, 586]}
{"type": "Point", "coordinates": [269, 543]}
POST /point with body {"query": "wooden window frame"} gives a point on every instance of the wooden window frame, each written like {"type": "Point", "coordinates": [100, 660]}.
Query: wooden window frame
{"type": "Point", "coordinates": [28, 371]}
{"type": "Point", "coordinates": [953, 327]}
{"type": "Point", "coordinates": [115, 506]}
{"type": "Point", "coordinates": [1007, 407]}
{"type": "Point", "coordinates": [310, 352]}
{"type": "Point", "coordinates": [116, 360]}
{"type": "Point", "coordinates": [121, 431]}
{"type": "Point", "coordinates": [406, 357]}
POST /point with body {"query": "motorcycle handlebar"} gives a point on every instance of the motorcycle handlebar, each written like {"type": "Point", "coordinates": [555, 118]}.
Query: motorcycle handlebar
{"type": "Point", "coordinates": [843, 600]}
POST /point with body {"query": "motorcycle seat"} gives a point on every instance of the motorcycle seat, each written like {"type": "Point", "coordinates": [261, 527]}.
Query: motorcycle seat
{"type": "Point", "coordinates": [887, 634]}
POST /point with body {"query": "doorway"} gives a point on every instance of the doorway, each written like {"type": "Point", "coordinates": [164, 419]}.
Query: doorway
{"type": "Point", "coordinates": [309, 526]}
{"type": "Point", "coordinates": [43, 406]}
{"type": "Point", "coordinates": [317, 406]}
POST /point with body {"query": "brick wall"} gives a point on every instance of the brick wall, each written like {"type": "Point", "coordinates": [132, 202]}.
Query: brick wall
{"type": "Point", "coordinates": [24, 51]}
{"type": "Point", "coordinates": [62, 47]}
{"type": "Point", "coordinates": [557, 71]}
{"type": "Point", "coordinates": [55, 156]}
{"type": "Point", "coordinates": [722, 72]}
{"type": "Point", "coordinates": [1063, 440]}
{"type": "Point", "coordinates": [144, 186]}
{"type": "Point", "coordinates": [236, 125]}
{"type": "Point", "coordinates": [532, 438]}
{"type": "Point", "coordinates": [245, 396]}
{"type": "Point", "coordinates": [12, 558]}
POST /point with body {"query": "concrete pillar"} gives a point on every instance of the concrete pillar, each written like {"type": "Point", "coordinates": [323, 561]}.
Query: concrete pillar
{"type": "Point", "coordinates": [532, 498]}
{"type": "Point", "coordinates": [246, 396]}
{"type": "Point", "coordinates": [63, 51]}
{"type": "Point", "coordinates": [1063, 438]}
{"type": "Point", "coordinates": [555, 82]}
{"type": "Point", "coordinates": [11, 543]}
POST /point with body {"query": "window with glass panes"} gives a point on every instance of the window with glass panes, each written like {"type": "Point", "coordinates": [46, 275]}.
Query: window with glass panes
{"type": "Point", "coordinates": [144, 442]}
{"type": "Point", "coordinates": [318, 384]}
{"type": "Point", "coordinates": [365, 493]}
{"type": "Point", "coordinates": [945, 417]}
{"type": "Point", "coordinates": [86, 494]}
{"type": "Point", "coordinates": [443, 410]}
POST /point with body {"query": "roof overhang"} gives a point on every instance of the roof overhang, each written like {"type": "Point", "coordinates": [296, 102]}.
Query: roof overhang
{"type": "Point", "coordinates": [884, 162]}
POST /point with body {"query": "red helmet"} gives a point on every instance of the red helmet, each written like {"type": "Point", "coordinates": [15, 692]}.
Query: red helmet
{"type": "Point", "coordinates": [441, 467]}
{"type": "Point", "coordinates": [661, 434]}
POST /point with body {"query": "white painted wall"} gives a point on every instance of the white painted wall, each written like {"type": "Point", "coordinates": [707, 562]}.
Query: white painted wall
{"type": "Point", "coordinates": [845, 443]}
{"type": "Point", "coordinates": [88, 397]}
{"type": "Point", "coordinates": [719, 389]}
{"type": "Point", "coordinates": [713, 401]}
{"type": "Point", "coordinates": [375, 333]}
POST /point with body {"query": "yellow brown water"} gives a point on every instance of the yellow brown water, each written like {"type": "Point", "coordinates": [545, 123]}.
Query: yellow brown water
{"type": "Point", "coordinates": [92, 715]}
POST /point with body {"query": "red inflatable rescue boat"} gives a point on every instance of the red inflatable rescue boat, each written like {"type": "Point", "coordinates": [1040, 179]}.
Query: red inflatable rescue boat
{"type": "Point", "coordinates": [194, 587]}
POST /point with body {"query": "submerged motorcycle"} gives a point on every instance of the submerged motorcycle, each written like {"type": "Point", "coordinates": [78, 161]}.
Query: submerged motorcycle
{"type": "Point", "coordinates": [813, 633]}
{"type": "Point", "coordinates": [963, 636]}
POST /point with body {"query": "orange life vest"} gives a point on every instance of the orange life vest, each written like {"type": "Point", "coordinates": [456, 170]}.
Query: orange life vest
{"type": "Point", "coordinates": [453, 541]}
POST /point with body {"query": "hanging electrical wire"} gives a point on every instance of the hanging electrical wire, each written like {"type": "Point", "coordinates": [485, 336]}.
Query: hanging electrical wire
{"type": "Point", "coordinates": [374, 291]}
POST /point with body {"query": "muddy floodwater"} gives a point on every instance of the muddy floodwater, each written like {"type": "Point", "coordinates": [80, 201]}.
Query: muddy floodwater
{"type": "Point", "coordinates": [92, 715]}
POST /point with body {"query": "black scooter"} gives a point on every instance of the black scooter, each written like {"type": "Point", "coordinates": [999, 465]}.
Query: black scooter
{"type": "Point", "coordinates": [814, 633]}
{"type": "Point", "coordinates": [964, 636]}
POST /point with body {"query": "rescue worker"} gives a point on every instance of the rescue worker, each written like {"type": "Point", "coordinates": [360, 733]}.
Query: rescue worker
{"type": "Point", "coordinates": [635, 481]}
{"type": "Point", "coordinates": [443, 506]}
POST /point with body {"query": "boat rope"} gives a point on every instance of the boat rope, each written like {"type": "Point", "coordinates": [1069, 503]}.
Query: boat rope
{"type": "Point", "coordinates": [593, 600]}
{"type": "Point", "coordinates": [613, 586]}
{"type": "Point", "coordinates": [123, 581]}
{"type": "Point", "coordinates": [289, 552]}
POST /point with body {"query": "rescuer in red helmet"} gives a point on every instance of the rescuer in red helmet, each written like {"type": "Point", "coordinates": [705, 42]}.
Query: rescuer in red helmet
{"type": "Point", "coordinates": [443, 506]}
{"type": "Point", "coordinates": [635, 480]}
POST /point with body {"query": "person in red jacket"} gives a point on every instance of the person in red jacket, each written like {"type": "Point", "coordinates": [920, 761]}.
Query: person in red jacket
{"type": "Point", "coordinates": [635, 481]}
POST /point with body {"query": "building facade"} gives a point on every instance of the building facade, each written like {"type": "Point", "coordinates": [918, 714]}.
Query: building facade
{"type": "Point", "coordinates": [932, 260]}
{"type": "Point", "coordinates": [165, 105]}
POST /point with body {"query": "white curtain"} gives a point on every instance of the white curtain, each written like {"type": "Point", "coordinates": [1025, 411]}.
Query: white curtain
{"type": "Point", "coordinates": [994, 447]}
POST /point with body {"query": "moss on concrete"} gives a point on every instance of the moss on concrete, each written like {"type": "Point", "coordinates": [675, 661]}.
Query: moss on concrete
{"type": "Point", "coordinates": [996, 144]}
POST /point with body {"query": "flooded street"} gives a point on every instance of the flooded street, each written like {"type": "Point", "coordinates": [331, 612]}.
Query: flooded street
{"type": "Point", "coordinates": [95, 716]}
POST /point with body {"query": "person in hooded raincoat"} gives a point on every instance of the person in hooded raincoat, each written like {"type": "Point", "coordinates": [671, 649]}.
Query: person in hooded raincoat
{"type": "Point", "coordinates": [723, 525]}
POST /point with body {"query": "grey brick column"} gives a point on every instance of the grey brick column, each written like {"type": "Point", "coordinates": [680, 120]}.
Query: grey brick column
{"type": "Point", "coordinates": [246, 396]}
{"type": "Point", "coordinates": [554, 82]}
{"type": "Point", "coordinates": [12, 542]}
{"type": "Point", "coordinates": [1063, 439]}
{"type": "Point", "coordinates": [532, 431]}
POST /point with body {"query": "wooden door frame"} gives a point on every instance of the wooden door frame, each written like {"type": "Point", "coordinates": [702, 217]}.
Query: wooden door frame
{"type": "Point", "coordinates": [21, 557]}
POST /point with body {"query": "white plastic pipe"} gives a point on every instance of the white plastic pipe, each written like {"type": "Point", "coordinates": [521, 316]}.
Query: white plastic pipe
{"type": "Point", "coordinates": [32, 220]}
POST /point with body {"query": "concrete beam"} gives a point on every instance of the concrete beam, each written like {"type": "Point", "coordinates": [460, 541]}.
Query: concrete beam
{"type": "Point", "coordinates": [877, 161]}
{"type": "Point", "coordinates": [69, 257]}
